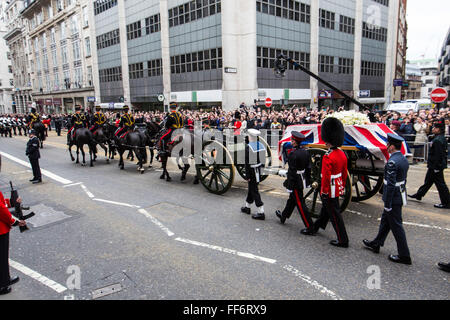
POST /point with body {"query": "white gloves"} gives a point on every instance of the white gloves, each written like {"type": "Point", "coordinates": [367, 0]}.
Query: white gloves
{"type": "Point", "coordinates": [283, 173]}
{"type": "Point", "coordinates": [388, 210]}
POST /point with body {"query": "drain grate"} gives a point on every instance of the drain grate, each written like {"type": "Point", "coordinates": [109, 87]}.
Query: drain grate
{"type": "Point", "coordinates": [106, 291]}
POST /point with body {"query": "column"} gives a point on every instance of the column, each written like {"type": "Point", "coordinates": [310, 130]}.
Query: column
{"type": "Point", "coordinates": [124, 51]}
{"type": "Point", "coordinates": [239, 51]}
{"type": "Point", "coordinates": [391, 50]}
{"type": "Point", "coordinates": [358, 51]}
{"type": "Point", "coordinates": [314, 52]}
{"type": "Point", "coordinates": [165, 51]}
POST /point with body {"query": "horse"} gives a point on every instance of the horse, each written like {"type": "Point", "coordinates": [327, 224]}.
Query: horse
{"type": "Point", "coordinates": [39, 127]}
{"type": "Point", "coordinates": [148, 132]}
{"type": "Point", "coordinates": [131, 141]}
{"type": "Point", "coordinates": [82, 136]}
{"type": "Point", "coordinates": [101, 138]}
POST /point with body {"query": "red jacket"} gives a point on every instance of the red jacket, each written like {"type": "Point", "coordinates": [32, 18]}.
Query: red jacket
{"type": "Point", "coordinates": [6, 220]}
{"type": "Point", "coordinates": [334, 173]}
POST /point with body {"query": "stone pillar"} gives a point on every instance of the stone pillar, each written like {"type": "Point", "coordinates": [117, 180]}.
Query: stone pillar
{"type": "Point", "coordinates": [314, 53]}
{"type": "Point", "coordinates": [165, 51]}
{"type": "Point", "coordinates": [239, 51]}
{"type": "Point", "coordinates": [391, 51]}
{"type": "Point", "coordinates": [124, 52]}
{"type": "Point", "coordinates": [358, 51]}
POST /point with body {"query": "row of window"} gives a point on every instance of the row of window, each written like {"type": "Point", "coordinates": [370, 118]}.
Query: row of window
{"type": "Point", "coordinates": [103, 5]}
{"type": "Point", "coordinates": [193, 10]}
{"type": "Point", "coordinates": [383, 2]}
{"type": "Point", "coordinates": [152, 25]}
{"type": "Point", "coordinates": [196, 61]}
{"type": "Point", "coordinates": [266, 57]}
{"type": "Point", "coordinates": [110, 74]}
{"type": "Point", "coordinates": [154, 68]}
{"type": "Point", "coordinates": [108, 39]}
{"type": "Point", "coordinates": [288, 9]}
{"type": "Point", "coordinates": [374, 32]}
{"type": "Point", "coordinates": [346, 24]}
{"type": "Point", "coordinates": [373, 69]}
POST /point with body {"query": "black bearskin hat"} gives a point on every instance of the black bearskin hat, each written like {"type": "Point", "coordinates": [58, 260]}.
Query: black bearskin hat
{"type": "Point", "coordinates": [333, 132]}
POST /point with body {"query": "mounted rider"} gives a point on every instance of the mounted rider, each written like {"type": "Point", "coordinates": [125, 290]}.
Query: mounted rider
{"type": "Point", "coordinates": [98, 119]}
{"type": "Point", "coordinates": [78, 121]}
{"type": "Point", "coordinates": [33, 118]}
{"type": "Point", "coordinates": [173, 121]}
{"type": "Point", "coordinates": [126, 123]}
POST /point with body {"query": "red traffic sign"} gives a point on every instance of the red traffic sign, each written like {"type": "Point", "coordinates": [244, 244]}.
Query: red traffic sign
{"type": "Point", "coordinates": [268, 102]}
{"type": "Point", "coordinates": [439, 95]}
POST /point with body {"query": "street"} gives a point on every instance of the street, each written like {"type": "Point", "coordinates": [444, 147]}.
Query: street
{"type": "Point", "coordinates": [138, 237]}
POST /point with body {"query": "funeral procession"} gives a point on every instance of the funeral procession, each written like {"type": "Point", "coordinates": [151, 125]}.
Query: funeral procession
{"type": "Point", "coordinates": [224, 150]}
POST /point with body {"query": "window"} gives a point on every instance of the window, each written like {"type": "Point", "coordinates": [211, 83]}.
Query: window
{"type": "Point", "coordinates": [10, 70]}
{"type": "Point", "coordinates": [197, 61]}
{"type": "Point", "coordinates": [108, 39]}
{"type": "Point", "coordinates": [383, 2]}
{"type": "Point", "coordinates": [76, 50]}
{"type": "Point", "coordinates": [292, 10]}
{"type": "Point", "coordinates": [52, 36]}
{"type": "Point", "coordinates": [64, 54]}
{"type": "Point", "coordinates": [346, 24]}
{"type": "Point", "coordinates": [110, 75]}
{"type": "Point", "coordinates": [89, 76]}
{"type": "Point", "coordinates": [373, 69]}
{"type": "Point", "coordinates": [103, 5]}
{"type": "Point", "coordinates": [154, 68]}
{"type": "Point", "coordinates": [193, 10]}
{"type": "Point", "coordinates": [85, 17]}
{"type": "Point", "coordinates": [50, 11]}
{"type": "Point", "coordinates": [136, 70]}
{"type": "Point", "coordinates": [62, 28]}
{"type": "Point", "coordinates": [87, 42]}
{"type": "Point", "coordinates": [374, 32]}
{"type": "Point", "coordinates": [345, 66]}
{"type": "Point", "coordinates": [134, 30]}
{"type": "Point", "coordinates": [326, 19]}
{"type": "Point", "coordinates": [153, 24]}
{"type": "Point", "coordinates": [326, 64]}
{"type": "Point", "coordinates": [75, 26]}
{"type": "Point", "coordinates": [266, 57]}
{"type": "Point", "coordinates": [54, 58]}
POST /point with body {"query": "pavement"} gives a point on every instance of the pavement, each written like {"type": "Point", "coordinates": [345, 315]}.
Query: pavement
{"type": "Point", "coordinates": [104, 233]}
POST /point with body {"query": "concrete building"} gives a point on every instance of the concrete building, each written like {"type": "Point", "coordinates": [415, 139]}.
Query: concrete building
{"type": "Point", "coordinates": [400, 53]}
{"type": "Point", "coordinates": [429, 75]}
{"type": "Point", "coordinates": [444, 63]}
{"type": "Point", "coordinates": [414, 82]}
{"type": "Point", "coordinates": [212, 52]}
{"type": "Point", "coordinates": [6, 72]}
{"type": "Point", "coordinates": [61, 60]}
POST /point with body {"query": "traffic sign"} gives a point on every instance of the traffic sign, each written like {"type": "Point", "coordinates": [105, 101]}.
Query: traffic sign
{"type": "Point", "coordinates": [268, 102]}
{"type": "Point", "coordinates": [439, 95]}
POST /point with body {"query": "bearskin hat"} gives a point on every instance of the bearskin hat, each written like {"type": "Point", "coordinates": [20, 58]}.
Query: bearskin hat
{"type": "Point", "coordinates": [333, 132]}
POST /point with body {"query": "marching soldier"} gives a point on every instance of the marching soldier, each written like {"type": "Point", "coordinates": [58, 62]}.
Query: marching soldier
{"type": "Point", "coordinates": [437, 163]}
{"type": "Point", "coordinates": [255, 159]}
{"type": "Point", "coordinates": [33, 154]}
{"type": "Point", "coordinates": [126, 123]}
{"type": "Point", "coordinates": [297, 180]}
{"type": "Point", "coordinates": [78, 121]}
{"type": "Point", "coordinates": [394, 197]}
{"type": "Point", "coordinates": [334, 177]}
{"type": "Point", "coordinates": [33, 117]}
{"type": "Point", "coordinates": [173, 121]}
{"type": "Point", "coordinates": [98, 119]}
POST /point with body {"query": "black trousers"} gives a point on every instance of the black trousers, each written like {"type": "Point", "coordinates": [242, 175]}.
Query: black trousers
{"type": "Point", "coordinates": [332, 211]}
{"type": "Point", "coordinates": [4, 263]}
{"type": "Point", "coordinates": [437, 179]}
{"type": "Point", "coordinates": [392, 221]}
{"type": "Point", "coordinates": [296, 200]}
{"type": "Point", "coordinates": [36, 169]}
{"type": "Point", "coordinates": [253, 193]}
{"type": "Point", "coordinates": [58, 127]}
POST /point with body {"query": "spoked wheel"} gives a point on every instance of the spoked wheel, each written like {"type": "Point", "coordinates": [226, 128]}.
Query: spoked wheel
{"type": "Point", "coordinates": [241, 168]}
{"type": "Point", "coordinates": [216, 171]}
{"type": "Point", "coordinates": [365, 186]}
{"type": "Point", "coordinates": [312, 194]}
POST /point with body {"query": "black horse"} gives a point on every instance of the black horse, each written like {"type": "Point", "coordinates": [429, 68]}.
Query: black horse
{"type": "Point", "coordinates": [39, 127]}
{"type": "Point", "coordinates": [131, 141]}
{"type": "Point", "coordinates": [101, 138]}
{"type": "Point", "coordinates": [82, 137]}
{"type": "Point", "coordinates": [148, 132]}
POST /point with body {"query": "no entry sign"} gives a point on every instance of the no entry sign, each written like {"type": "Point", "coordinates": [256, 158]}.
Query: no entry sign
{"type": "Point", "coordinates": [439, 95]}
{"type": "Point", "coordinates": [268, 102]}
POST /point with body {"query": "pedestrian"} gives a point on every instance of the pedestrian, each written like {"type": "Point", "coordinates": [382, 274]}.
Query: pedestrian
{"type": "Point", "coordinates": [297, 181]}
{"type": "Point", "coordinates": [437, 163]}
{"type": "Point", "coordinates": [394, 198]}
{"type": "Point", "coordinates": [334, 177]}
{"type": "Point", "coordinates": [33, 155]}
{"type": "Point", "coordinates": [255, 154]}
{"type": "Point", "coordinates": [6, 222]}
{"type": "Point", "coordinates": [58, 124]}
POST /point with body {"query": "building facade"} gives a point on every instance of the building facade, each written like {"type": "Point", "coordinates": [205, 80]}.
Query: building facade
{"type": "Point", "coordinates": [7, 104]}
{"type": "Point", "coordinates": [429, 75]}
{"type": "Point", "coordinates": [444, 63]}
{"type": "Point", "coordinates": [211, 52]}
{"type": "Point", "coordinates": [61, 60]}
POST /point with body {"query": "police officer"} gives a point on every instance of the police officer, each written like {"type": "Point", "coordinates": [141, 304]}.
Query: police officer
{"type": "Point", "coordinates": [255, 159]}
{"type": "Point", "coordinates": [33, 117]}
{"type": "Point", "coordinates": [98, 119]}
{"type": "Point", "coordinates": [78, 120]}
{"type": "Point", "coordinates": [33, 155]}
{"type": "Point", "coordinates": [394, 198]}
{"type": "Point", "coordinates": [437, 163]}
{"type": "Point", "coordinates": [126, 122]}
{"type": "Point", "coordinates": [173, 121]}
{"type": "Point", "coordinates": [334, 177]}
{"type": "Point", "coordinates": [297, 180]}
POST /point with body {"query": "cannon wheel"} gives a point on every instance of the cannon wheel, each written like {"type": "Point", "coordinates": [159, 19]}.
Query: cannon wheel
{"type": "Point", "coordinates": [365, 186]}
{"type": "Point", "coordinates": [312, 195]}
{"type": "Point", "coordinates": [241, 168]}
{"type": "Point", "coordinates": [216, 175]}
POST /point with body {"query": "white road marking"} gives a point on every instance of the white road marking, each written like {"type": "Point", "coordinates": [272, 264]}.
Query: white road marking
{"type": "Point", "coordinates": [117, 203]}
{"type": "Point", "coordinates": [37, 276]}
{"type": "Point", "coordinates": [44, 172]}
{"type": "Point", "coordinates": [89, 194]}
{"type": "Point", "coordinates": [20, 172]}
{"type": "Point", "coordinates": [312, 282]}
{"type": "Point", "coordinates": [155, 221]}
{"type": "Point", "coordinates": [358, 213]}
{"type": "Point", "coordinates": [72, 185]}
{"type": "Point", "coordinates": [225, 250]}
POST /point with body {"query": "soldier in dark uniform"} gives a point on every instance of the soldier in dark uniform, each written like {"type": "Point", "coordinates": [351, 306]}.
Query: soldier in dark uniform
{"type": "Point", "coordinates": [126, 123]}
{"type": "Point", "coordinates": [394, 198]}
{"type": "Point", "coordinates": [58, 124]}
{"type": "Point", "coordinates": [334, 177]}
{"type": "Point", "coordinates": [33, 154]}
{"type": "Point", "coordinates": [33, 117]}
{"type": "Point", "coordinates": [255, 159]}
{"type": "Point", "coordinates": [437, 163]}
{"type": "Point", "coordinates": [297, 180]}
{"type": "Point", "coordinates": [98, 119]}
{"type": "Point", "coordinates": [173, 121]}
{"type": "Point", "coordinates": [78, 120]}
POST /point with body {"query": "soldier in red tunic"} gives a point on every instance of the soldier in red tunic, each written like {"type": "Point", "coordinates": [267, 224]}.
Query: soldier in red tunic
{"type": "Point", "coordinates": [334, 176]}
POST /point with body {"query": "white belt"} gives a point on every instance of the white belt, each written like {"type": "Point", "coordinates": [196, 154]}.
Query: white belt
{"type": "Point", "coordinates": [398, 184]}
{"type": "Point", "coordinates": [402, 192]}
{"type": "Point", "coordinates": [301, 172]}
{"type": "Point", "coordinates": [336, 176]}
{"type": "Point", "coordinates": [256, 165]}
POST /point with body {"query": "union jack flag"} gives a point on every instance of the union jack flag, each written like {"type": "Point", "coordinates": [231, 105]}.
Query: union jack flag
{"type": "Point", "coordinates": [371, 138]}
